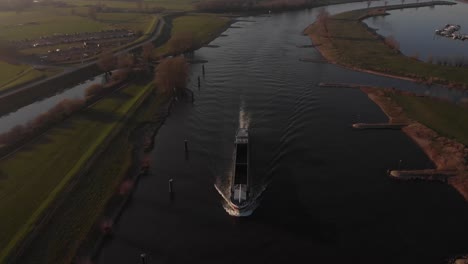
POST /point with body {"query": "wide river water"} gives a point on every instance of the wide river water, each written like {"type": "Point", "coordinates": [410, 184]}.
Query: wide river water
{"type": "Point", "coordinates": [324, 196]}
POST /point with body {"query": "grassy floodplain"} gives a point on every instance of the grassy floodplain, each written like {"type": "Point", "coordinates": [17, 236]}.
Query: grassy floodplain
{"type": "Point", "coordinates": [179, 5]}
{"type": "Point", "coordinates": [45, 21]}
{"type": "Point", "coordinates": [203, 27]}
{"type": "Point", "coordinates": [13, 75]}
{"type": "Point", "coordinates": [445, 118]}
{"type": "Point", "coordinates": [33, 177]}
{"type": "Point", "coordinates": [72, 221]}
{"type": "Point", "coordinates": [349, 42]}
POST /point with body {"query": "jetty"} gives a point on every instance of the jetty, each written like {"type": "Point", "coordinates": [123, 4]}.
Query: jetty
{"type": "Point", "coordinates": [340, 85]}
{"type": "Point", "coordinates": [426, 175]}
{"type": "Point", "coordinates": [379, 125]}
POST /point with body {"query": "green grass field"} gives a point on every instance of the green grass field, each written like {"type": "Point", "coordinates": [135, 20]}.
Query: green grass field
{"type": "Point", "coordinates": [447, 119]}
{"type": "Point", "coordinates": [37, 22]}
{"type": "Point", "coordinates": [351, 44]}
{"type": "Point", "coordinates": [173, 5]}
{"type": "Point", "coordinates": [33, 177]}
{"type": "Point", "coordinates": [14, 75]}
{"type": "Point", "coordinates": [204, 27]}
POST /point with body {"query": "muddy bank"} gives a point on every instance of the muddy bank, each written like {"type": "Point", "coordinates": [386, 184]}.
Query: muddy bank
{"type": "Point", "coordinates": [445, 153]}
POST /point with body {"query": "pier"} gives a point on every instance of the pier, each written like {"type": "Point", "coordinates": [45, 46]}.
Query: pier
{"type": "Point", "coordinates": [340, 85]}
{"type": "Point", "coordinates": [379, 125]}
{"type": "Point", "coordinates": [426, 175]}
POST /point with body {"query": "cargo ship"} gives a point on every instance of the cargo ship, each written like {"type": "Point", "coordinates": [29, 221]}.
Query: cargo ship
{"type": "Point", "coordinates": [240, 184]}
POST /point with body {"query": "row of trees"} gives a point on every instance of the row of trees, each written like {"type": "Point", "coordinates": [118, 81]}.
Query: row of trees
{"type": "Point", "coordinates": [172, 75]}
{"type": "Point", "coordinates": [57, 113]}
{"type": "Point", "coordinates": [323, 18]}
{"type": "Point", "coordinates": [392, 43]}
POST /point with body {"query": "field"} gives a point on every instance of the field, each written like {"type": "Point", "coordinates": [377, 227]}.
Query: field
{"type": "Point", "coordinates": [203, 27]}
{"type": "Point", "coordinates": [32, 178]}
{"type": "Point", "coordinates": [38, 22]}
{"type": "Point", "coordinates": [350, 43]}
{"type": "Point", "coordinates": [174, 5]}
{"type": "Point", "coordinates": [14, 75]}
{"type": "Point", "coordinates": [73, 220]}
{"type": "Point", "coordinates": [447, 119]}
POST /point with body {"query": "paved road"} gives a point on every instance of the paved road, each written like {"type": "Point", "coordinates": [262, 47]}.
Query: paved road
{"type": "Point", "coordinates": [156, 34]}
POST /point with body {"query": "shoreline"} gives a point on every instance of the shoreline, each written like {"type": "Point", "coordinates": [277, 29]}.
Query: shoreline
{"type": "Point", "coordinates": [139, 154]}
{"type": "Point", "coordinates": [331, 58]}
{"type": "Point", "coordinates": [444, 152]}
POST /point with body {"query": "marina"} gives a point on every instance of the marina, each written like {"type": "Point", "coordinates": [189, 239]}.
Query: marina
{"type": "Point", "coordinates": [451, 31]}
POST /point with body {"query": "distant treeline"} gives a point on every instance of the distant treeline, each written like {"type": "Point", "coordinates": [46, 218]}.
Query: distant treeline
{"type": "Point", "coordinates": [252, 6]}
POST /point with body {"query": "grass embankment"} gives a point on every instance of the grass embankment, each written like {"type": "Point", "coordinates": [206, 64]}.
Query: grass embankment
{"type": "Point", "coordinates": [445, 118]}
{"type": "Point", "coordinates": [438, 127]}
{"type": "Point", "coordinates": [33, 177]}
{"type": "Point", "coordinates": [82, 207]}
{"type": "Point", "coordinates": [350, 43]}
{"type": "Point", "coordinates": [203, 28]}
{"type": "Point", "coordinates": [14, 75]}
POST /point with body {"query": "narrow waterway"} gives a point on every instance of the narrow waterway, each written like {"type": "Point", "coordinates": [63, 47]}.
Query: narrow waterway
{"type": "Point", "coordinates": [323, 192]}
{"type": "Point", "coordinates": [27, 113]}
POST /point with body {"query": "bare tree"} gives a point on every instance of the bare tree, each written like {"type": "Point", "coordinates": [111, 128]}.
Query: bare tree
{"type": "Point", "coordinates": [92, 12]}
{"type": "Point", "coordinates": [181, 42]}
{"type": "Point", "coordinates": [125, 61]}
{"type": "Point", "coordinates": [106, 61]}
{"type": "Point", "coordinates": [172, 75]}
{"type": "Point", "coordinates": [392, 42]}
{"type": "Point", "coordinates": [429, 59]}
{"type": "Point", "coordinates": [147, 51]}
{"type": "Point", "coordinates": [322, 19]}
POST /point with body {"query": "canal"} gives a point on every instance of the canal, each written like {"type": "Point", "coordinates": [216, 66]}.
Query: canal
{"type": "Point", "coordinates": [323, 194]}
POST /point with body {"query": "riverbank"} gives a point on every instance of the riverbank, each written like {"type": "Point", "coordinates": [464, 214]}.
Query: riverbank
{"type": "Point", "coordinates": [92, 202]}
{"type": "Point", "coordinates": [345, 40]}
{"type": "Point", "coordinates": [58, 225]}
{"type": "Point", "coordinates": [190, 32]}
{"type": "Point", "coordinates": [445, 152]}
{"type": "Point", "coordinates": [47, 166]}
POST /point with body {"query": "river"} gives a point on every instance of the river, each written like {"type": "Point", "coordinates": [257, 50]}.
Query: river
{"type": "Point", "coordinates": [323, 192]}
